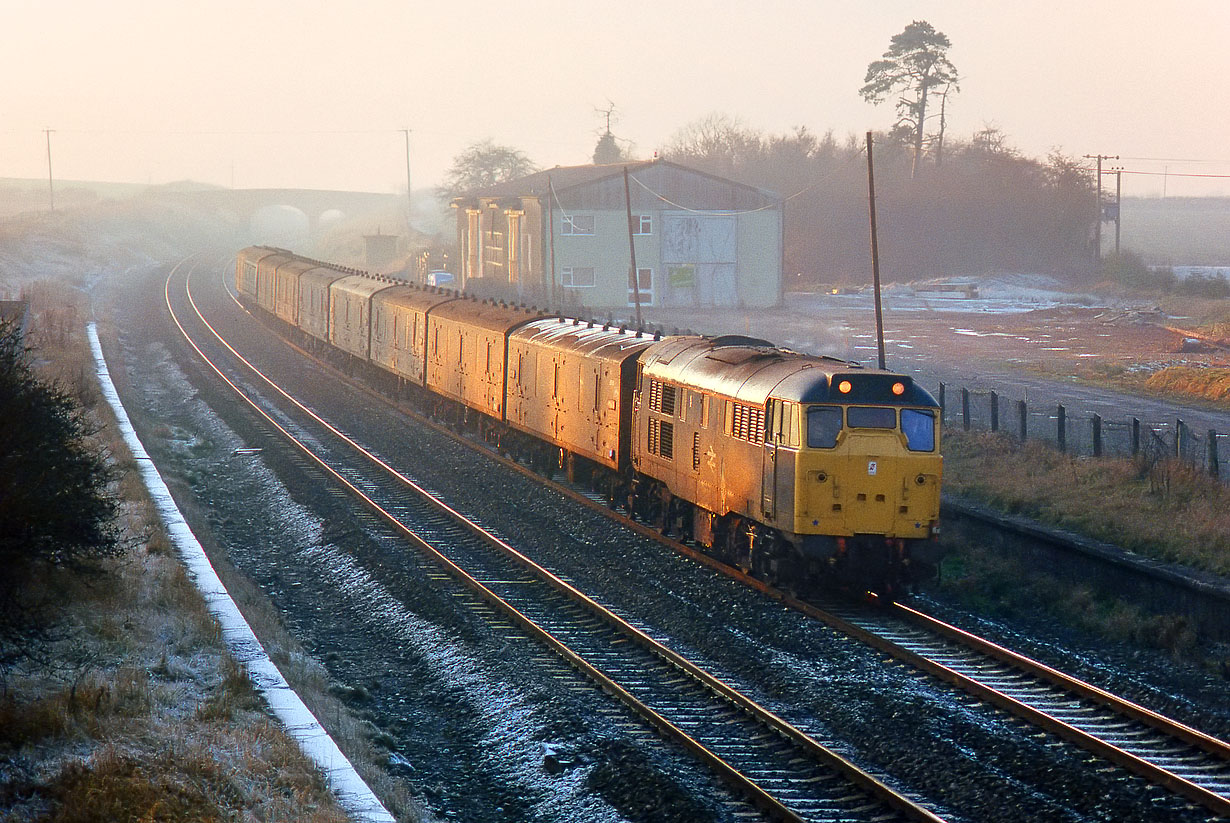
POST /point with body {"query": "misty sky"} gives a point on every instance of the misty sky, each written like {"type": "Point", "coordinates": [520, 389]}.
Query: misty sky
{"type": "Point", "coordinates": [259, 93]}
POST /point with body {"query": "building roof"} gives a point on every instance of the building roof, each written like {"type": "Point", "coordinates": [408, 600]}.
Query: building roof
{"type": "Point", "coordinates": [572, 178]}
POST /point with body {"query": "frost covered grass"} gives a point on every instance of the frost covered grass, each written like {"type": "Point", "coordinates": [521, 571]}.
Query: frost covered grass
{"type": "Point", "coordinates": [129, 708]}
{"type": "Point", "coordinates": [1159, 508]}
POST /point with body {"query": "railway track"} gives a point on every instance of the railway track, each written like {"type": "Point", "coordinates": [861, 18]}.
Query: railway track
{"type": "Point", "coordinates": [782, 770]}
{"type": "Point", "coordinates": [1193, 765]}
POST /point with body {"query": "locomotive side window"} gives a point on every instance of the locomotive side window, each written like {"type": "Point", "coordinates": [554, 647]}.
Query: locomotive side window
{"type": "Point", "coordinates": [823, 426]}
{"type": "Point", "coordinates": [872, 417]}
{"type": "Point", "coordinates": [919, 428]}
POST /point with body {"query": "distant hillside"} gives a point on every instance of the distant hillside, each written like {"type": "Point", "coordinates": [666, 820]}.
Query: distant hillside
{"type": "Point", "coordinates": [1175, 231]}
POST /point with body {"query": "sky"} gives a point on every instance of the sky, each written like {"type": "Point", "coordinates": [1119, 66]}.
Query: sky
{"type": "Point", "coordinates": [312, 94]}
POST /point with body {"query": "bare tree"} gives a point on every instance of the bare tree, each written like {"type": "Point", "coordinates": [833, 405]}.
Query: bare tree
{"type": "Point", "coordinates": [717, 143]}
{"type": "Point", "coordinates": [915, 67]}
{"type": "Point", "coordinates": [484, 164]}
{"type": "Point", "coordinates": [608, 149]}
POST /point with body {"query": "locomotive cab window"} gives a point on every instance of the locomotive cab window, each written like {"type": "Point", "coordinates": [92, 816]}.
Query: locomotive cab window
{"type": "Point", "coordinates": [871, 417]}
{"type": "Point", "coordinates": [823, 426]}
{"type": "Point", "coordinates": [919, 428]}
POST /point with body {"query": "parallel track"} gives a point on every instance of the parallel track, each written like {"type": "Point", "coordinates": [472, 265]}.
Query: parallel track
{"type": "Point", "coordinates": [781, 769]}
{"type": "Point", "coordinates": [1186, 761]}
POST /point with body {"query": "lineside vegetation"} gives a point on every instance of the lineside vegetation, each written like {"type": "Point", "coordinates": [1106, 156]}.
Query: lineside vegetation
{"type": "Point", "coordinates": [1159, 508]}
{"type": "Point", "coordinates": [118, 700]}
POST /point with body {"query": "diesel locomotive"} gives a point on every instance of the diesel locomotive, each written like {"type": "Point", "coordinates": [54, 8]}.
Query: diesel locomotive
{"type": "Point", "coordinates": [803, 470]}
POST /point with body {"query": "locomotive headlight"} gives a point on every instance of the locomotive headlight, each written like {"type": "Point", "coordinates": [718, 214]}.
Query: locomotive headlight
{"type": "Point", "coordinates": [921, 480]}
{"type": "Point", "coordinates": [844, 387]}
{"type": "Point", "coordinates": [821, 477]}
{"type": "Point", "coordinates": [899, 389]}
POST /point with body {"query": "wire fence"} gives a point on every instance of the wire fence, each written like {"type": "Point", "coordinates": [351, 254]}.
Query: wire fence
{"type": "Point", "coordinates": [1087, 434]}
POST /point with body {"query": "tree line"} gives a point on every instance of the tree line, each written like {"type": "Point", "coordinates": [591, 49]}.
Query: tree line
{"type": "Point", "coordinates": [944, 206]}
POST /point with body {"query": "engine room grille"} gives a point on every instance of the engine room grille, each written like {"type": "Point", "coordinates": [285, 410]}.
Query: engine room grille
{"type": "Point", "coordinates": [747, 423]}
{"type": "Point", "coordinates": [662, 438]}
{"type": "Point", "coordinates": [661, 398]}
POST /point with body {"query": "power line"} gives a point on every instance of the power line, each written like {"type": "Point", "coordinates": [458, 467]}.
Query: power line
{"type": "Point", "coordinates": [1176, 174]}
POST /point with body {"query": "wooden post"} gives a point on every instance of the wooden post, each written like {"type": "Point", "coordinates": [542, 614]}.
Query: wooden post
{"type": "Point", "coordinates": [1178, 439]}
{"type": "Point", "coordinates": [1024, 412]}
{"type": "Point", "coordinates": [1135, 436]}
{"type": "Point", "coordinates": [1097, 435]}
{"type": "Point", "coordinates": [965, 408]}
{"type": "Point", "coordinates": [1214, 469]}
{"type": "Point", "coordinates": [994, 412]}
{"type": "Point", "coordinates": [1062, 430]}
{"type": "Point", "coordinates": [636, 279]}
{"type": "Point", "coordinates": [875, 253]}
{"type": "Point", "coordinates": [941, 404]}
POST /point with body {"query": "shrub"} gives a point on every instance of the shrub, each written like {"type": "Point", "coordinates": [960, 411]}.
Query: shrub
{"type": "Point", "coordinates": [55, 507]}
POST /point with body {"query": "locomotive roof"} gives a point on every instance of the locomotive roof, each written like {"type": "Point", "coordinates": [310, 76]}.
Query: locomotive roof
{"type": "Point", "coordinates": [586, 338]}
{"type": "Point", "coordinates": [752, 370]}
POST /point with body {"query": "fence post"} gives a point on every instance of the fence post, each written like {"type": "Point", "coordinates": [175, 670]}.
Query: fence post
{"type": "Point", "coordinates": [994, 412]}
{"type": "Point", "coordinates": [1097, 435]}
{"type": "Point", "coordinates": [1135, 436]}
{"type": "Point", "coordinates": [965, 408]}
{"type": "Point", "coordinates": [1214, 469]}
{"type": "Point", "coordinates": [1021, 407]}
{"type": "Point", "coordinates": [1178, 439]}
{"type": "Point", "coordinates": [941, 404]}
{"type": "Point", "coordinates": [1062, 430]}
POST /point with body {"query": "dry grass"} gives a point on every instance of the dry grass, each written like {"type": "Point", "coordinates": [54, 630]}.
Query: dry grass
{"type": "Point", "coordinates": [1208, 384]}
{"type": "Point", "coordinates": [134, 710]}
{"type": "Point", "coordinates": [1162, 509]}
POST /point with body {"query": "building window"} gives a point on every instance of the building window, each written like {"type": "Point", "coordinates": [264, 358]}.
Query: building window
{"type": "Point", "coordinates": [578, 277]}
{"type": "Point", "coordinates": [642, 224]}
{"type": "Point", "coordinates": [643, 289]}
{"type": "Point", "coordinates": [577, 224]}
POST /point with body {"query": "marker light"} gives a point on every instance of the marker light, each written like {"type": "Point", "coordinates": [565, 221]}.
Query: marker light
{"type": "Point", "coordinates": [844, 387]}
{"type": "Point", "coordinates": [899, 389]}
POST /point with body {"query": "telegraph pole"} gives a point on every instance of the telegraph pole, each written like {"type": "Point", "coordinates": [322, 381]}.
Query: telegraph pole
{"type": "Point", "coordinates": [409, 196]}
{"type": "Point", "coordinates": [51, 186]}
{"type": "Point", "coordinates": [1098, 227]}
{"type": "Point", "coordinates": [875, 253]}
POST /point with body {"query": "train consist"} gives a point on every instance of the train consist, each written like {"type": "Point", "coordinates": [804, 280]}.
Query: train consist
{"type": "Point", "coordinates": [803, 470]}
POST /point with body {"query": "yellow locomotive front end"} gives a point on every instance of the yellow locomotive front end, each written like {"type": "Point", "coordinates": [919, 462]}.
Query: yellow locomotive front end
{"type": "Point", "coordinates": [866, 478]}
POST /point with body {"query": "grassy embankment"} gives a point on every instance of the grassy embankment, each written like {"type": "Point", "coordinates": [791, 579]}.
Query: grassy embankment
{"type": "Point", "coordinates": [1158, 508]}
{"type": "Point", "coordinates": [134, 710]}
